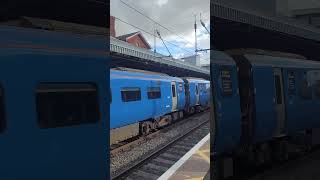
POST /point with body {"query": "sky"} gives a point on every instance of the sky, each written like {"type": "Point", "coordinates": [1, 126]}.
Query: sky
{"type": "Point", "coordinates": [175, 15]}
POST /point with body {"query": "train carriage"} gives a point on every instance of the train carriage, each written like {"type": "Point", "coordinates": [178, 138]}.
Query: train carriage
{"type": "Point", "coordinates": [52, 117]}
{"type": "Point", "coordinates": [226, 122]}
{"type": "Point", "coordinates": [142, 102]}
{"type": "Point", "coordinates": [263, 103]}
{"type": "Point", "coordinates": [197, 95]}
{"type": "Point", "coordinates": [204, 94]}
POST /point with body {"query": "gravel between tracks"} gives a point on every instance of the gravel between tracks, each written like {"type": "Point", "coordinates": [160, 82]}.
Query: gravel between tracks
{"type": "Point", "coordinates": [123, 159]}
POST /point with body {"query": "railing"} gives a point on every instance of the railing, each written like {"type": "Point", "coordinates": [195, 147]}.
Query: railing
{"type": "Point", "coordinates": [122, 47]}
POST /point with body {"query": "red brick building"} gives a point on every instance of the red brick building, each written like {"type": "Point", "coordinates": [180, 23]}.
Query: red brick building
{"type": "Point", "coordinates": [135, 38]}
{"type": "Point", "coordinates": [112, 26]}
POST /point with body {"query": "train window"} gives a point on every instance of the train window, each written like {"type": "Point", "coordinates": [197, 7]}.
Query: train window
{"type": "Point", "coordinates": [66, 104]}
{"type": "Point", "coordinates": [130, 94]}
{"type": "Point", "coordinates": [197, 89]}
{"type": "Point", "coordinates": [154, 93]}
{"type": "Point", "coordinates": [305, 90]}
{"type": "Point", "coordinates": [2, 113]}
{"type": "Point", "coordinates": [173, 87]}
{"type": "Point", "coordinates": [180, 87]}
{"type": "Point", "coordinates": [110, 95]}
{"type": "Point", "coordinates": [317, 89]}
{"type": "Point", "coordinates": [278, 89]}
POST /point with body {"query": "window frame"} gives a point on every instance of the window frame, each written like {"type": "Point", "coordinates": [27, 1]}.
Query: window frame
{"type": "Point", "coordinates": [278, 87]}
{"type": "Point", "coordinates": [72, 87]}
{"type": "Point", "coordinates": [128, 89]}
{"type": "Point", "coordinates": [173, 90]}
{"type": "Point", "coordinates": [308, 89]}
{"type": "Point", "coordinates": [316, 89]}
{"type": "Point", "coordinates": [152, 90]}
{"type": "Point", "coordinates": [3, 122]}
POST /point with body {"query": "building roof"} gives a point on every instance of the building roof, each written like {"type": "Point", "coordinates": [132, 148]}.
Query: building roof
{"type": "Point", "coordinates": [126, 36]}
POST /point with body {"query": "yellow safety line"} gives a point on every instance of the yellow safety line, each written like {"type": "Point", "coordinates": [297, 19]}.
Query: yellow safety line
{"type": "Point", "coordinates": [199, 178]}
{"type": "Point", "coordinates": [203, 155]}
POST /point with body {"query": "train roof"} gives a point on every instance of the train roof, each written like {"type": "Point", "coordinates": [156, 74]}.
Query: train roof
{"type": "Point", "coordinates": [219, 57]}
{"type": "Point", "coordinates": [139, 70]}
{"type": "Point", "coordinates": [50, 41]}
{"type": "Point", "coordinates": [242, 51]}
{"type": "Point", "coordinates": [263, 60]}
{"type": "Point", "coordinates": [54, 25]}
{"type": "Point", "coordinates": [197, 80]}
{"type": "Point", "coordinates": [116, 74]}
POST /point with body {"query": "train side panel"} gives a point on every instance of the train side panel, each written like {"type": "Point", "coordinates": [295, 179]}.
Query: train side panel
{"type": "Point", "coordinates": [30, 150]}
{"type": "Point", "coordinates": [226, 120]}
{"type": "Point", "coordinates": [193, 96]}
{"type": "Point", "coordinates": [204, 94]}
{"type": "Point", "coordinates": [294, 113]}
{"type": "Point", "coordinates": [264, 94]}
{"type": "Point", "coordinates": [181, 95]}
{"type": "Point", "coordinates": [302, 102]}
{"type": "Point", "coordinates": [128, 112]}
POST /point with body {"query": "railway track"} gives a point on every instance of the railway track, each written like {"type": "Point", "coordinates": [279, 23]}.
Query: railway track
{"type": "Point", "coordinates": [154, 164]}
{"type": "Point", "coordinates": [126, 145]}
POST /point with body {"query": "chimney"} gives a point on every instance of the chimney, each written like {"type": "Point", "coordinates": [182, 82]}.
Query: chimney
{"type": "Point", "coordinates": [112, 26]}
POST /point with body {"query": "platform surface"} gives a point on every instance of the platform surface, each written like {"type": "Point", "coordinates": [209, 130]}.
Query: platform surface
{"type": "Point", "coordinates": [194, 165]}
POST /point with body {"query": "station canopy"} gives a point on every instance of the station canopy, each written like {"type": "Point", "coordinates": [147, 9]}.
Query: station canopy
{"type": "Point", "coordinates": [237, 28]}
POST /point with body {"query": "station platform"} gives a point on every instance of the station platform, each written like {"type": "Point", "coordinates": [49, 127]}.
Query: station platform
{"type": "Point", "coordinates": [194, 165]}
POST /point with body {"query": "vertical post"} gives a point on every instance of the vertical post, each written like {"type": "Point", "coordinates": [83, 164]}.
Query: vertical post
{"type": "Point", "coordinates": [155, 39]}
{"type": "Point", "coordinates": [195, 34]}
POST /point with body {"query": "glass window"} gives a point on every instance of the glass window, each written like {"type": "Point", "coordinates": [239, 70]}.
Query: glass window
{"type": "Point", "coordinates": [110, 95]}
{"type": "Point", "coordinates": [62, 104]}
{"type": "Point", "coordinates": [173, 87]}
{"type": "Point", "coordinates": [317, 89]}
{"type": "Point", "coordinates": [130, 94]}
{"type": "Point", "coordinates": [305, 90]}
{"type": "Point", "coordinates": [2, 113]}
{"type": "Point", "coordinates": [278, 89]}
{"type": "Point", "coordinates": [154, 93]}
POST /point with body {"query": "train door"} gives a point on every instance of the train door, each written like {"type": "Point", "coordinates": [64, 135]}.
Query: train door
{"type": "Point", "coordinates": [197, 94]}
{"type": "Point", "coordinates": [279, 101]}
{"type": "Point", "coordinates": [174, 96]}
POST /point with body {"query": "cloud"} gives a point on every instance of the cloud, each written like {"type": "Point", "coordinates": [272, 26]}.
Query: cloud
{"type": "Point", "coordinates": [176, 15]}
{"type": "Point", "coordinates": [162, 2]}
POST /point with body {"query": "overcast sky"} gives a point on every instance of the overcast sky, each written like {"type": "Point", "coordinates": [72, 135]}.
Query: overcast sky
{"type": "Point", "coordinates": [176, 15]}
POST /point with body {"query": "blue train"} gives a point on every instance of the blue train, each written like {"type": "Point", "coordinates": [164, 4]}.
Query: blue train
{"type": "Point", "coordinates": [143, 101]}
{"type": "Point", "coordinates": [264, 104]}
{"type": "Point", "coordinates": [52, 117]}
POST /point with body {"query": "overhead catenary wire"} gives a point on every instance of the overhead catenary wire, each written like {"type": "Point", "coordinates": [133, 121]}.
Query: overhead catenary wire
{"type": "Point", "coordinates": [202, 23]}
{"type": "Point", "coordinates": [138, 11]}
{"type": "Point", "coordinates": [164, 43]}
{"type": "Point", "coordinates": [152, 34]}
